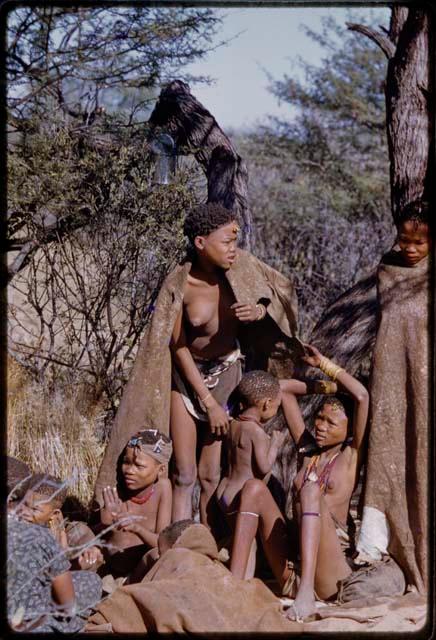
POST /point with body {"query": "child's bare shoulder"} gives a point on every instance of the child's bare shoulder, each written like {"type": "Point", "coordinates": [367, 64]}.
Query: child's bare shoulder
{"type": "Point", "coordinates": [163, 486]}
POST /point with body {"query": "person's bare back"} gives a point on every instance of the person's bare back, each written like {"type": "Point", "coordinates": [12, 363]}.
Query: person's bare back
{"type": "Point", "coordinates": [251, 455]}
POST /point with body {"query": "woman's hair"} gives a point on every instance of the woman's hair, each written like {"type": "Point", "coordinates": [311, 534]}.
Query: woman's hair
{"type": "Point", "coordinates": [416, 211]}
{"type": "Point", "coordinates": [205, 218]}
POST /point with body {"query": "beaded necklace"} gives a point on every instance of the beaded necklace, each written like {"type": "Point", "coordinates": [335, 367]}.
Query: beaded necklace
{"type": "Point", "coordinates": [322, 479]}
{"type": "Point", "coordinates": [143, 499]}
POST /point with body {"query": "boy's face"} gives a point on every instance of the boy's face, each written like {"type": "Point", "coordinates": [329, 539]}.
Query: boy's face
{"type": "Point", "coordinates": [36, 508]}
{"type": "Point", "coordinates": [330, 426]}
{"type": "Point", "coordinates": [414, 241]}
{"type": "Point", "coordinates": [269, 407]}
{"type": "Point", "coordinates": [139, 469]}
{"type": "Point", "coordinates": [219, 247]}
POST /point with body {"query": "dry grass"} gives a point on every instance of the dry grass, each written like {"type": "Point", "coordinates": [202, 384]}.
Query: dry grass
{"type": "Point", "coordinates": [48, 432]}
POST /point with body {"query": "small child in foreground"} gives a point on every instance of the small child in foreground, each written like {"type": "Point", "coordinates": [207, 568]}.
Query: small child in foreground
{"type": "Point", "coordinates": [43, 595]}
{"type": "Point", "coordinates": [252, 454]}
{"type": "Point", "coordinates": [42, 504]}
{"type": "Point", "coordinates": [146, 494]}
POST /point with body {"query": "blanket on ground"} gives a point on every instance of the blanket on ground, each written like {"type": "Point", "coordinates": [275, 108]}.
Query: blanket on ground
{"type": "Point", "coordinates": [146, 397]}
{"type": "Point", "coordinates": [395, 505]}
{"type": "Point", "coordinates": [189, 590]}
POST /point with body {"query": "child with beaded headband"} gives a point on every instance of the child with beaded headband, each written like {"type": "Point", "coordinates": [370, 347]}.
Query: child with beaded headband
{"type": "Point", "coordinates": [146, 495]}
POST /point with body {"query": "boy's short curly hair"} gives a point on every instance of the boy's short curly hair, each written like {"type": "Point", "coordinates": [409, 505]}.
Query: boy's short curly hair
{"type": "Point", "coordinates": [256, 386]}
{"type": "Point", "coordinates": [46, 485]}
{"type": "Point", "coordinates": [173, 531]}
{"type": "Point", "coordinates": [416, 211]}
{"type": "Point", "coordinates": [205, 218]}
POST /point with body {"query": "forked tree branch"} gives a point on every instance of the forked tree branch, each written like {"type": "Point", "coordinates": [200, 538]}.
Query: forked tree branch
{"type": "Point", "coordinates": [382, 40]}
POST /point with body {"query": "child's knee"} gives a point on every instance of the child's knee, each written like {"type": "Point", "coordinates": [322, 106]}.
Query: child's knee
{"type": "Point", "coordinates": [208, 476]}
{"type": "Point", "coordinates": [253, 489]}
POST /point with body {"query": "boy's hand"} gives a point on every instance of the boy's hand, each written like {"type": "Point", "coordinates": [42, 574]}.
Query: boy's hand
{"type": "Point", "coordinates": [313, 357]}
{"type": "Point", "coordinates": [90, 558]}
{"type": "Point", "coordinates": [246, 312]}
{"type": "Point", "coordinates": [218, 419]}
{"type": "Point", "coordinates": [113, 504]}
{"type": "Point", "coordinates": [278, 438]}
{"type": "Point", "coordinates": [136, 526]}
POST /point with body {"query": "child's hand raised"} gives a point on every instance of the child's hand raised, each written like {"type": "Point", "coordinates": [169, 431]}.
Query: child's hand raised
{"type": "Point", "coordinates": [113, 506]}
{"type": "Point", "coordinates": [313, 356]}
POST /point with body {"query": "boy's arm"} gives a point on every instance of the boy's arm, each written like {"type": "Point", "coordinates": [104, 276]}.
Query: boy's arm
{"type": "Point", "coordinates": [183, 358]}
{"type": "Point", "coordinates": [163, 517]}
{"type": "Point", "coordinates": [265, 449]}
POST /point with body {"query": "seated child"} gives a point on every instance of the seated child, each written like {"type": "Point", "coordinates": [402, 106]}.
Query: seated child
{"type": "Point", "coordinates": [326, 480]}
{"type": "Point", "coordinates": [42, 594]}
{"type": "Point", "coordinates": [146, 495]}
{"type": "Point", "coordinates": [251, 456]}
{"type": "Point", "coordinates": [42, 504]}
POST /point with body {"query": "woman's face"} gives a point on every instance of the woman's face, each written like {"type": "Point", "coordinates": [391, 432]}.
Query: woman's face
{"type": "Point", "coordinates": [219, 247]}
{"type": "Point", "coordinates": [330, 426]}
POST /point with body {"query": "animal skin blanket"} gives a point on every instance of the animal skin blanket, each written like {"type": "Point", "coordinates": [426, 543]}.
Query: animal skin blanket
{"type": "Point", "coordinates": [146, 397]}
{"type": "Point", "coordinates": [189, 590]}
{"type": "Point", "coordinates": [395, 506]}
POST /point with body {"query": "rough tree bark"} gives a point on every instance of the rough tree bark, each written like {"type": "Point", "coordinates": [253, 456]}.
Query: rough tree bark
{"type": "Point", "coordinates": [195, 131]}
{"type": "Point", "coordinates": [409, 102]}
{"type": "Point", "coordinates": [346, 332]}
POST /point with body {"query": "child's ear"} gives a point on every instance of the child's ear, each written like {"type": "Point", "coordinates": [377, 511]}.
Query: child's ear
{"type": "Point", "coordinates": [161, 470]}
{"type": "Point", "coordinates": [199, 242]}
{"type": "Point", "coordinates": [266, 404]}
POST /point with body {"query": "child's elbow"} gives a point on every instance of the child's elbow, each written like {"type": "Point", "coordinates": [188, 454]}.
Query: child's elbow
{"type": "Point", "coordinates": [363, 396]}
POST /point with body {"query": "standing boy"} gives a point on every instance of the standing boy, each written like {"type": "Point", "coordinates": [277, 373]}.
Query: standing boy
{"type": "Point", "coordinates": [189, 360]}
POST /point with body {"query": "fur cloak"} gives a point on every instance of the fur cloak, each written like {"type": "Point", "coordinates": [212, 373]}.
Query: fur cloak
{"type": "Point", "coordinates": [396, 496]}
{"type": "Point", "coordinates": [146, 398]}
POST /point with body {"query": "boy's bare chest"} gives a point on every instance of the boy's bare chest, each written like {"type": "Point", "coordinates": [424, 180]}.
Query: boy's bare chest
{"type": "Point", "coordinates": [147, 509]}
{"type": "Point", "coordinates": [205, 304]}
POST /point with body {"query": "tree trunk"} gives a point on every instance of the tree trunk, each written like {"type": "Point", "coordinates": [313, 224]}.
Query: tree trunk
{"type": "Point", "coordinates": [195, 131]}
{"type": "Point", "coordinates": [409, 47]}
{"type": "Point", "coordinates": [346, 331]}
{"type": "Point", "coordinates": [409, 116]}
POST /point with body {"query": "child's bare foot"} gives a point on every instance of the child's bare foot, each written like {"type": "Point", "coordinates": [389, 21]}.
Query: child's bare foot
{"type": "Point", "coordinates": [303, 606]}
